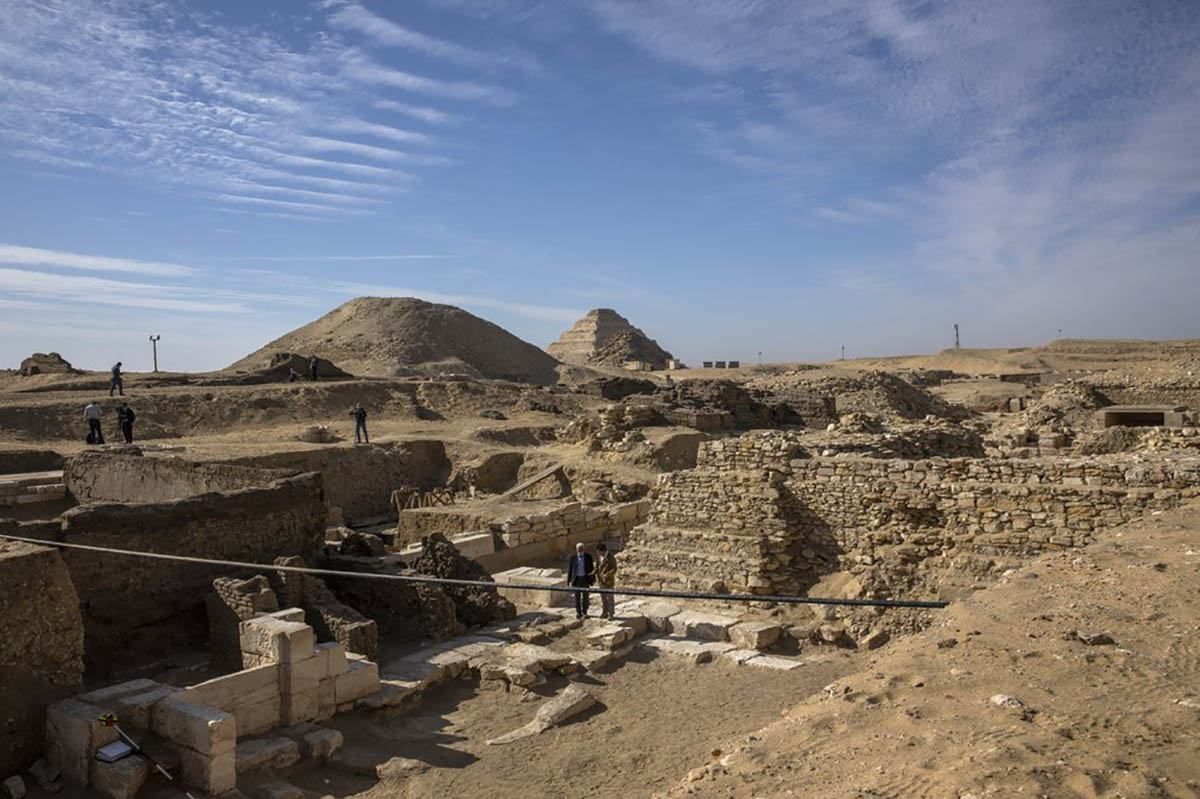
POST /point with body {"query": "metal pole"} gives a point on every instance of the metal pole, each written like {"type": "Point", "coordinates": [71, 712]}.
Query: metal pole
{"type": "Point", "coordinates": [956, 335]}
{"type": "Point", "coordinates": [154, 344]}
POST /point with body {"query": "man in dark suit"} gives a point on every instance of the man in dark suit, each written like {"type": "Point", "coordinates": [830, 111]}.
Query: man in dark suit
{"type": "Point", "coordinates": [581, 573]}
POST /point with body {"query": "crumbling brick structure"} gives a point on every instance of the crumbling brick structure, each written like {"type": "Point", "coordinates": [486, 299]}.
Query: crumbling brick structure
{"type": "Point", "coordinates": [757, 514]}
{"type": "Point", "coordinates": [41, 647]}
{"type": "Point", "coordinates": [232, 602]}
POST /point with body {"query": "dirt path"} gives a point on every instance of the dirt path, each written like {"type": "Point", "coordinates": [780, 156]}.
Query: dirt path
{"type": "Point", "coordinates": [656, 716]}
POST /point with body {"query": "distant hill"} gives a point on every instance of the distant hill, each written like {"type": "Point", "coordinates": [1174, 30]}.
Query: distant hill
{"type": "Point", "coordinates": [397, 336]}
{"type": "Point", "coordinates": [605, 338]}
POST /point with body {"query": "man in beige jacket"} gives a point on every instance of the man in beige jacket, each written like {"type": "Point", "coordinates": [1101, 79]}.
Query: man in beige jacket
{"type": "Point", "coordinates": [606, 576]}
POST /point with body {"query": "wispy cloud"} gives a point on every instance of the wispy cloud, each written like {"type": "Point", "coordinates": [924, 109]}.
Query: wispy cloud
{"type": "Point", "coordinates": [379, 75]}
{"type": "Point", "coordinates": [180, 97]}
{"type": "Point", "coordinates": [424, 113]}
{"type": "Point", "coordinates": [33, 256]}
{"type": "Point", "coordinates": [298, 258]}
{"type": "Point", "coordinates": [380, 131]}
{"type": "Point", "coordinates": [80, 291]}
{"type": "Point", "coordinates": [1017, 156]}
{"type": "Point", "coordinates": [353, 17]}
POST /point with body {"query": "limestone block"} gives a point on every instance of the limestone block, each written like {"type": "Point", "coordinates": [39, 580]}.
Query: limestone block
{"type": "Point", "coordinates": [390, 694]}
{"type": "Point", "coordinates": [610, 636]}
{"type": "Point", "coordinates": [692, 651]}
{"type": "Point", "coordinates": [277, 640]}
{"type": "Point", "coordinates": [361, 679]}
{"type": "Point", "coordinates": [740, 656]}
{"type": "Point", "coordinates": [134, 711]}
{"type": "Point", "coordinates": [260, 717]}
{"type": "Point", "coordinates": [299, 707]}
{"type": "Point", "coordinates": [258, 753]}
{"type": "Point", "coordinates": [321, 743]}
{"type": "Point", "coordinates": [571, 702]}
{"type": "Point", "coordinates": [754, 634]}
{"type": "Point", "coordinates": [708, 626]}
{"type": "Point", "coordinates": [246, 687]}
{"type": "Point", "coordinates": [415, 670]}
{"type": "Point", "coordinates": [299, 676]}
{"type": "Point", "coordinates": [635, 622]}
{"type": "Point", "coordinates": [333, 659]}
{"type": "Point", "coordinates": [658, 615]}
{"type": "Point", "coordinates": [288, 614]}
{"type": "Point", "coordinates": [120, 780]}
{"type": "Point", "coordinates": [203, 729]}
{"type": "Point", "coordinates": [534, 658]}
{"type": "Point", "coordinates": [592, 659]}
{"type": "Point", "coordinates": [326, 699]}
{"type": "Point", "coordinates": [504, 672]}
{"type": "Point", "coordinates": [775, 662]}
{"type": "Point", "coordinates": [73, 734]}
{"type": "Point", "coordinates": [211, 774]}
{"type": "Point", "coordinates": [110, 694]}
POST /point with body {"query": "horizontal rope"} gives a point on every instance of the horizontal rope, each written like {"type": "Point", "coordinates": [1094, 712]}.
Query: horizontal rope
{"type": "Point", "coordinates": [423, 578]}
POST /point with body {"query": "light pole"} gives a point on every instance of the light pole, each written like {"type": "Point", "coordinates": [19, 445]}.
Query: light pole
{"type": "Point", "coordinates": [154, 344]}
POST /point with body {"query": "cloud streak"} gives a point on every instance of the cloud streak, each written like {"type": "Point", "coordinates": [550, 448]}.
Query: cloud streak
{"type": "Point", "coordinates": [351, 16]}
{"type": "Point", "coordinates": [33, 256]}
{"type": "Point", "coordinates": [181, 97]}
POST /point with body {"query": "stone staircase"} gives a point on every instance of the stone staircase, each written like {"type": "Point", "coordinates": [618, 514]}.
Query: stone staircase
{"type": "Point", "coordinates": [31, 488]}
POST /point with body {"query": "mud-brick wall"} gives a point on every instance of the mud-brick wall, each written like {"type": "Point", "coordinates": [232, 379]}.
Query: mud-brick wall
{"type": "Point", "coordinates": [904, 516]}
{"type": "Point", "coordinates": [359, 481]}
{"type": "Point", "coordinates": [136, 610]}
{"type": "Point", "coordinates": [41, 647]}
{"type": "Point", "coordinates": [120, 477]}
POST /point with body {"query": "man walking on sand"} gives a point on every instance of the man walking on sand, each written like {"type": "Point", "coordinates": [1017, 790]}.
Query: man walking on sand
{"type": "Point", "coordinates": [92, 414]}
{"type": "Point", "coordinates": [360, 424]}
{"type": "Point", "coordinates": [125, 417]}
{"type": "Point", "coordinates": [606, 575]}
{"type": "Point", "coordinates": [115, 383]}
{"type": "Point", "coordinates": [581, 572]}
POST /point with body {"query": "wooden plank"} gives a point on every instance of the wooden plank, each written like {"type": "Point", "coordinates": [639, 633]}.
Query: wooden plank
{"type": "Point", "coordinates": [532, 481]}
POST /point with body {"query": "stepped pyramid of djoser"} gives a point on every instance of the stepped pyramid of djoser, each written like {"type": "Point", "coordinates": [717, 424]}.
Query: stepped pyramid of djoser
{"type": "Point", "coordinates": [605, 337]}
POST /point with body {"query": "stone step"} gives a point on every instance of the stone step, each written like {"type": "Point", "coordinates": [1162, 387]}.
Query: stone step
{"type": "Point", "coordinates": [30, 478]}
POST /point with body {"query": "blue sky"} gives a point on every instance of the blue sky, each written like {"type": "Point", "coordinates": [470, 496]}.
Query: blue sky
{"type": "Point", "coordinates": [735, 177]}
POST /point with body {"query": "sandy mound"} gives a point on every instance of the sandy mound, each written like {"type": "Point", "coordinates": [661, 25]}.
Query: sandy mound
{"type": "Point", "coordinates": [397, 336]}
{"type": "Point", "coordinates": [1068, 404]}
{"type": "Point", "coordinates": [872, 392]}
{"type": "Point", "coordinates": [605, 338]}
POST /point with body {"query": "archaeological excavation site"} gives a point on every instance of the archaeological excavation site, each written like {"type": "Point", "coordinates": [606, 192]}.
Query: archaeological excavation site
{"type": "Point", "coordinates": [974, 573]}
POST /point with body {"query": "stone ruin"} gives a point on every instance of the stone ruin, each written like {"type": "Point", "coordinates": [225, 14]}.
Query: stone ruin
{"type": "Point", "coordinates": [758, 514]}
{"type": "Point", "coordinates": [43, 363]}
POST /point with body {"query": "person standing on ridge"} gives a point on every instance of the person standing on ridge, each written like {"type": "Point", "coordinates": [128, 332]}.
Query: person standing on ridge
{"type": "Point", "coordinates": [312, 367]}
{"type": "Point", "coordinates": [606, 575]}
{"type": "Point", "coordinates": [581, 572]}
{"type": "Point", "coordinates": [92, 414]}
{"type": "Point", "coordinates": [360, 424]}
{"type": "Point", "coordinates": [125, 417]}
{"type": "Point", "coordinates": [115, 383]}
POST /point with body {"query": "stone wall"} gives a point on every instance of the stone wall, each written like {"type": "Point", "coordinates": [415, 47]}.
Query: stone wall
{"type": "Point", "coordinates": [19, 461]}
{"type": "Point", "coordinates": [130, 477]}
{"type": "Point", "coordinates": [889, 521]}
{"type": "Point", "coordinates": [41, 647]}
{"type": "Point", "coordinates": [134, 611]}
{"type": "Point", "coordinates": [359, 480]}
